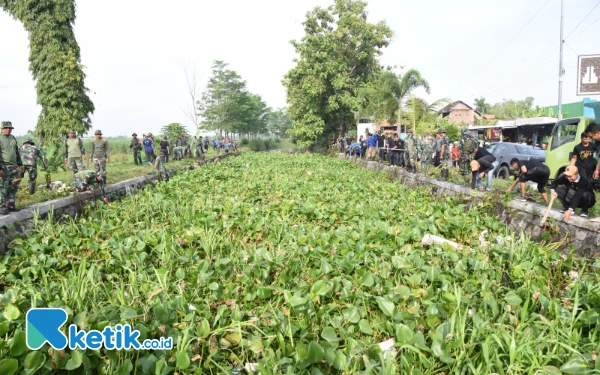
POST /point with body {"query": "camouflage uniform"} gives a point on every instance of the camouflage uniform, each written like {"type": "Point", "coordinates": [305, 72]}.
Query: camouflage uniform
{"type": "Point", "coordinates": [10, 165]}
{"type": "Point", "coordinates": [445, 156]}
{"type": "Point", "coordinates": [30, 153]}
{"type": "Point", "coordinates": [465, 156]}
{"type": "Point", "coordinates": [410, 152]}
{"type": "Point", "coordinates": [178, 152]}
{"type": "Point", "coordinates": [84, 179]}
{"type": "Point", "coordinates": [199, 149]}
{"type": "Point", "coordinates": [100, 154]}
{"type": "Point", "coordinates": [75, 153]}
{"type": "Point", "coordinates": [160, 165]}
{"type": "Point", "coordinates": [136, 146]}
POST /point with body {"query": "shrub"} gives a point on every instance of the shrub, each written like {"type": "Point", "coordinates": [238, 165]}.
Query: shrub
{"type": "Point", "coordinates": [245, 141]}
{"type": "Point", "coordinates": [257, 145]}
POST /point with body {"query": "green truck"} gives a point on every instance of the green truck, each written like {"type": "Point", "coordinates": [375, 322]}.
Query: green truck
{"type": "Point", "coordinates": [565, 136]}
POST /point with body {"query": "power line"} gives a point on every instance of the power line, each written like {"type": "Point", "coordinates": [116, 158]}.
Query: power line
{"type": "Point", "coordinates": [588, 26]}
{"type": "Point", "coordinates": [571, 48]}
{"type": "Point", "coordinates": [584, 18]}
{"type": "Point", "coordinates": [504, 46]}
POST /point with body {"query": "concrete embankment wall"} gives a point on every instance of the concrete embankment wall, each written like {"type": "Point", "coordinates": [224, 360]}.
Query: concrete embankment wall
{"type": "Point", "coordinates": [17, 223]}
{"type": "Point", "coordinates": [580, 233]}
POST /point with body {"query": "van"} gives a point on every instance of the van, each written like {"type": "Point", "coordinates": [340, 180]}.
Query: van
{"type": "Point", "coordinates": [565, 136]}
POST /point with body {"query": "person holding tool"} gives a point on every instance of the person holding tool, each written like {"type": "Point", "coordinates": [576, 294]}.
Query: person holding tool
{"type": "Point", "coordinates": [573, 190]}
{"type": "Point", "coordinates": [530, 170]}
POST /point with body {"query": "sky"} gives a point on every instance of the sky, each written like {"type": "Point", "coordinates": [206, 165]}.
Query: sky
{"type": "Point", "coordinates": [135, 52]}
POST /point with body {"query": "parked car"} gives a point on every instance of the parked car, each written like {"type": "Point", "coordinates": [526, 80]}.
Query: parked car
{"type": "Point", "coordinates": [504, 152]}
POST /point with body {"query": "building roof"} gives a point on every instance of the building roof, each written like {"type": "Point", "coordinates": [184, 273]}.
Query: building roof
{"type": "Point", "coordinates": [526, 121]}
{"type": "Point", "coordinates": [447, 109]}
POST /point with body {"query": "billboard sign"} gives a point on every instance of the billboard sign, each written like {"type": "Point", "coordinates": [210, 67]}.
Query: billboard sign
{"type": "Point", "coordinates": [588, 75]}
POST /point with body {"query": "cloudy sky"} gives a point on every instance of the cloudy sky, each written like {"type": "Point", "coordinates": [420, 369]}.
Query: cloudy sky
{"type": "Point", "coordinates": [134, 52]}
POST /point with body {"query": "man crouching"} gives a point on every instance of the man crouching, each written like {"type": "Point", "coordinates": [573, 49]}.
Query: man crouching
{"type": "Point", "coordinates": [573, 191]}
{"type": "Point", "coordinates": [86, 180]}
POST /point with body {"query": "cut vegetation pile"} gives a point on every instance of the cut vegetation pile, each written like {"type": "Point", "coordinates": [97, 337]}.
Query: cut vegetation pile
{"type": "Point", "coordinates": [302, 264]}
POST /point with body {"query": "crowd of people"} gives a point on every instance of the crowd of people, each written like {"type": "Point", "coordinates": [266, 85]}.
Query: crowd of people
{"type": "Point", "coordinates": [15, 161]}
{"type": "Point", "coordinates": [573, 188]}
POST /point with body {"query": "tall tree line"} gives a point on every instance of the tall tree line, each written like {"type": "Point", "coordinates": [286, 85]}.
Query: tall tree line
{"type": "Point", "coordinates": [228, 108]}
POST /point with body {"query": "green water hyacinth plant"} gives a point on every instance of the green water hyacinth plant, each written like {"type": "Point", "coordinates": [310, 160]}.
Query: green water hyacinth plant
{"type": "Point", "coordinates": [302, 264]}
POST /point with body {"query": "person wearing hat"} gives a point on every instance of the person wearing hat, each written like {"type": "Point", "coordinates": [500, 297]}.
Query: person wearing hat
{"type": "Point", "coordinates": [466, 149]}
{"type": "Point", "coordinates": [74, 152]}
{"type": "Point", "coordinates": [530, 170]}
{"type": "Point", "coordinates": [100, 154]}
{"type": "Point", "coordinates": [87, 179]}
{"type": "Point", "coordinates": [573, 190]}
{"type": "Point", "coordinates": [11, 168]}
{"type": "Point", "coordinates": [136, 146]}
{"type": "Point", "coordinates": [30, 154]}
{"type": "Point", "coordinates": [444, 153]}
{"type": "Point", "coordinates": [410, 152]}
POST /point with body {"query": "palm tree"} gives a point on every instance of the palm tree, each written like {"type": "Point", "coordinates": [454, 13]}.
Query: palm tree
{"type": "Point", "coordinates": [386, 96]}
{"type": "Point", "coordinates": [422, 114]}
{"type": "Point", "coordinates": [481, 106]}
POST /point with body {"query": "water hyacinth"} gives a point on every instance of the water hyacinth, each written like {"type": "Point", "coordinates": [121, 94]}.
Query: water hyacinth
{"type": "Point", "coordinates": [253, 264]}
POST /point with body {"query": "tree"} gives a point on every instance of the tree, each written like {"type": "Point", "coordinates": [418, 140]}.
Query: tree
{"type": "Point", "coordinates": [386, 97]}
{"type": "Point", "coordinates": [228, 108]}
{"type": "Point", "coordinates": [55, 64]}
{"type": "Point", "coordinates": [174, 130]}
{"type": "Point", "coordinates": [278, 122]}
{"type": "Point", "coordinates": [481, 106]}
{"type": "Point", "coordinates": [423, 115]}
{"type": "Point", "coordinates": [509, 108]}
{"type": "Point", "coordinates": [192, 111]}
{"type": "Point", "coordinates": [337, 56]}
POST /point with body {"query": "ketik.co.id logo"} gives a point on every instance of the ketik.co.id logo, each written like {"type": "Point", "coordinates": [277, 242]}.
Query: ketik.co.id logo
{"type": "Point", "coordinates": [43, 326]}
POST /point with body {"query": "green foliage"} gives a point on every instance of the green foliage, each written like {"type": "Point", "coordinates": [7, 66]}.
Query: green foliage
{"type": "Point", "coordinates": [337, 56]}
{"type": "Point", "coordinates": [262, 144]}
{"type": "Point", "coordinates": [482, 106]}
{"type": "Point", "coordinates": [245, 141]}
{"type": "Point", "coordinates": [507, 109]}
{"type": "Point", "coordinates": [55, 64]}
{"type": "Point", "coordinates": [227, 106]}
{"type": "Point", "coordinates": [288, 261]}
{"type": "Point", "coordinates": [278, 122]}
{"type": "Point", "coordinates": [453, 132]}
{"type": "Point", "coordinates": [174, 130]}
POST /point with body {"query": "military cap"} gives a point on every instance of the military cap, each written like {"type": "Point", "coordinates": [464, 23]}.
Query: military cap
{"type": "Point", "coordinates": [7, 125]}
{"type": "Point", "coordinates": [98, 132]}
{"type": "Point", "coordinates": [134, 135]}
{"type": "Point", "coordinates": [442, 130]}
{"type": "Point", "coordinates": [71, 131]}
{"type": "Point", "coordinates": [409, 131]}
{"type": "Point", "coordinates": [28, 140]}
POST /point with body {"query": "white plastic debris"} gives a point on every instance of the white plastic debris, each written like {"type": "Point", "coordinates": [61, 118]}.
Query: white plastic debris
{"type": "Point", "coordinates": [251, 367]}
{"type": "Point", "coordinates": [500, 240]}
{"type": "Point", "coordinates": [430, 239]}
{"type": "Point", "coordinates": [471, 311]}
{"type": "Point", "coordinates": [388, 347]}
{"type": "Point", "coordinates": [482, 241]}
{"type": "Point", "coordinates": [574, 275]}
{"type": "Point", "coordinates": [191, 307]}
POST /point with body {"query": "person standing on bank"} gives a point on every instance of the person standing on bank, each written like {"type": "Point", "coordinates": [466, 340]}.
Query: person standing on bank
{"type": "Point", "coordinates": [100, 155]}
{"type": "Point", "coordinates": [149, 149]}
{"type": "Point", "coordinates": [573, 190]}
{"type": "Point", "coordinates": [593, 131]}
{"type": "Point", "coordinates": [583, 157]}
{"type": "Point", "coordinates": [30, 154]}
{"type": "Point", "coordinates": [530, 170]}
{"type": "Point", "coordinates": [164, 149]}
{"type": "Point", "coordinates": [136, 146]}
{"type": "Point", "coordinates": [391, 143]}
{"type": "Point", "coordinates": [74, 152]}
{"type": "Point", "coordinates": [11, 169]}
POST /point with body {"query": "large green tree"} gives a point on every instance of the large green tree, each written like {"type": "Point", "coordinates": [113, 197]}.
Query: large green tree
{"type": "Point", "coordinates": [55, 64]}
{"type": "Point", "coordinates": [482, 106]}
{"type": "Point", "coordinates": [337, 56]}
{"type": "Point", "coordinates": [278, 122]}
{"type": "Point", "coordinates": [509, 108]}
{"type": "Point", "coordinates": [174, 130]}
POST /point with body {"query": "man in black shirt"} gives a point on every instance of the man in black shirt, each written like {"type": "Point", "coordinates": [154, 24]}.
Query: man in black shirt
{"type": "Point", "coordinates": [164, 148]}
{"type": "Point", "coordinates": [593, 130]}
{"type": "Point", "coordinates": [400, 152]}
{"type": "Point", "coordinates": [392, 146]}
{"type": "Point", "coordinates": [480, 166]}
{"type": "Point", "coordinates": [583, 157]}
{"type": "Point", "coordinates": [380, 144]}
{"type": "Point", "coordinates": [574, 191]}
{"type": "Point", "coordinates": [530, 170]}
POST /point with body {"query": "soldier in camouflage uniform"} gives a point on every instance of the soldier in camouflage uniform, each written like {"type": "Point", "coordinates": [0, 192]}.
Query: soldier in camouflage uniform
{"type": "Point", "coordinates": [425, 153]}
{"type": "Point", "coordinates": [30, 154]}
{"type": "Point", "coordinates": [85, 180]}
{"type": "Point", "coordinates": [74, 152]}
{"type": "Point", "coordinates": [467, 146]}
{"type": "Point", "coordinates": [11, 168]}
{"type": "Point", "coordinates": [199, 148]}
{"type": "Point", "coordinates": [410, 152]}
{"type": "Point", "coordinates": [136, 146]}
{"type": "Point", "coordinates": [160, 165]}
{"type": "Point", "coordinates": [100, 155]}
{"type": "Point", "coordinates": [445, 154]}
{"type": "Point", "coordinates": [178, 153]}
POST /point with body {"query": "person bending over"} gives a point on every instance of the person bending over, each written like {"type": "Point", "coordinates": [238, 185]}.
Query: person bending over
{"type": "Point", "coordinates": [530, 170]}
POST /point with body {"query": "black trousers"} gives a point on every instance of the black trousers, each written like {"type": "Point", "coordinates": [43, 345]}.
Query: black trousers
{"type": "Point", "coordinates": [395, 158]}
{"type": "Point", "coordinates": [587, 201]}
{"type": "Point", "coordinates": [436, 160]}
{"type": "Point", "coordinates": [150, 157]}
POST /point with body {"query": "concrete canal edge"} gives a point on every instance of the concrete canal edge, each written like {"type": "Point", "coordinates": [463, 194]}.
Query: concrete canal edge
{"type": "Point", "coordinates": [17, 223]}
{"type": "Point", "coordinates": [581, 233]}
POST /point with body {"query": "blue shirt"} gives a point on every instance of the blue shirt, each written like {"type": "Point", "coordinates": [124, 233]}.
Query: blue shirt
{"type": "Point", "coordinates": [372, 141]}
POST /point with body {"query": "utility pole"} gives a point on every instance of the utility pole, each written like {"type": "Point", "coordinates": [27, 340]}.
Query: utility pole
{"type": "Point", "coordinates": [561, 70]}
